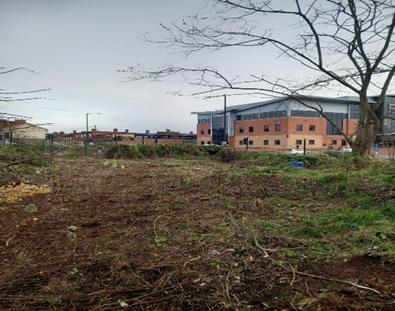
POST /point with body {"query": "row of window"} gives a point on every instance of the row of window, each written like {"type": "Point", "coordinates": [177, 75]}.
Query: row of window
{"type": "Point", "coordinates": [204, 121]}
{"type": "Point", "coordinates": [208, 132]}
{"type": "Point", "coordinates": [265, 142]}
{"type": "Point", "coordinates": [262, 115]}
{"type": "Point", "coordinates": [277, 128]}
{"type": "Point", "coordinates": [266, 128]}
{"type": "Point", "coordinates": [298, 142]}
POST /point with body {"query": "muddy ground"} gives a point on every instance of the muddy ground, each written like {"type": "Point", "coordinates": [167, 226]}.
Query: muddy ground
{"type": "Point", "coordinates": [169, 235]}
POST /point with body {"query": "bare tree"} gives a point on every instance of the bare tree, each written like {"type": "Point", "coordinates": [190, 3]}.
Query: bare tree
{"type": "Point", "coordinates": [345, 44]}
{"type": "Point", "coordinates": [12, 96]}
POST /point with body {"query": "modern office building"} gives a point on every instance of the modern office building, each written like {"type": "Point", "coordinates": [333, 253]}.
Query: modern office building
{"type": "Point", "coordinates": [282, 124]}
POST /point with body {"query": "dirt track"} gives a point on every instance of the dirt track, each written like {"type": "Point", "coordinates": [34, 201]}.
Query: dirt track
{"type": "Point", "coordinates": [156, 235]}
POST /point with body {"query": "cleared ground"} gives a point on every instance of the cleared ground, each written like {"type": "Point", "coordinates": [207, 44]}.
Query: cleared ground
{"type": "Point", "coordinates": [199, 235]}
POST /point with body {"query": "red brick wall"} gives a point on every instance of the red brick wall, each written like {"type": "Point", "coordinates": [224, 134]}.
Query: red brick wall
{"type": "Point", "coordinates": [206, 137]}
{"type": "Point", "coordinates": [350, 126]}
{"type": "Point", "coordinates": [320, 125]}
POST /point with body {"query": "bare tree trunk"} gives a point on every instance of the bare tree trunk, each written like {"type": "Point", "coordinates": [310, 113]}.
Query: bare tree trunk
{"type": "Point", "coordinates": [365, 132]}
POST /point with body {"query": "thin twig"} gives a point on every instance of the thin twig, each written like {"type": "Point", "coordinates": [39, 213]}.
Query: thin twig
{"type": "Point", "coordinates": [156, 219]}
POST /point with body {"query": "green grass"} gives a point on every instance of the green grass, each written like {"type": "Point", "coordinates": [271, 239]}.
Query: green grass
{"type": "Point", "coordinates": [340, 231]}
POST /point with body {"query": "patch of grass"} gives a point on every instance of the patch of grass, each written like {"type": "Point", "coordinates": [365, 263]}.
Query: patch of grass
{"type": "Point", "coordinates": [341, 231]}
{"type": "Point", "coordinates": [281, 202]}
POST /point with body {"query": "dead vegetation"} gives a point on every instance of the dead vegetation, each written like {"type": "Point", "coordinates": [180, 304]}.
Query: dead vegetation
{"type": "Point", "coordinates": [199, 235]}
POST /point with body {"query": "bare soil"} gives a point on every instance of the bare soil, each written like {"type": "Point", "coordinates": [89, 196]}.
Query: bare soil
{"type": "Point", "coordinates": [157, 235]}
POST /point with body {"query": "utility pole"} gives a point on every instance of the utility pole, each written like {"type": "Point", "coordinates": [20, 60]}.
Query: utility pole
{"type": "Point", "coordinates": [304, 146]}
{"type": "Point", "coordinates": [87, 130]}
{"type": "Point", "coordinates": [225, 132]}
{"type": "Point", "coordinates": [86, 136]}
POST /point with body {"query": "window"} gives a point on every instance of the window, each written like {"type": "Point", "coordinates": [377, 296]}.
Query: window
{"type": "Point", "coordinates": [202, 142]}
{"type": "Point", "coordinates": [334, 142]}
{"type": "Point", "coordinates": [204, 121]}
{"type": "Point", "coordinates": [332, 128]}
{"type": "Point", "coordinates": [343, 142]}
{"type": "Point", "coordinates": [241, 130]}
{"type": "Point", "coordinates": [305, 113]}
{"type": "Point", "coordinates": [249, 116]}
{"type": "Point", "coordinates": [241, 142]}
{"type": "Point", "coordinates": [202, 132]}
{"type": "Point", "coordinates": [299, 127]}
{"type": "Point", "coordinates": [311, 142]}
{"type": "Point", "coordinates": [209, 131]}
{"type": "Point", "coordinates": [273, 114]}
{"type": "Point", "coordinates": [354, 111]}
{"type": "Point", "coordinates": [266, 128]}
{"type": "Point", "coordinates": [209, 142]}
{"type": "Point", "coordinates": [277, 142]}
{"type": "Point", "coordinates": [251, 129]}
{"type": "Point", "coordinates": [298, 142]}
{"type": "Point", "coordinates": [251, 142]}
{"type": "Point", "coordinates": [312, 127]}
{"type": "Point", "coordinates": [266, 142]}
{"type": "Point", "coordinates": [277, 127]}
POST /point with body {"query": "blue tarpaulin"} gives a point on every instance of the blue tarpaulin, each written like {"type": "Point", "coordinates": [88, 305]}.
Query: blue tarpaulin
{"type": "Point", "coordinates": [296, 164]}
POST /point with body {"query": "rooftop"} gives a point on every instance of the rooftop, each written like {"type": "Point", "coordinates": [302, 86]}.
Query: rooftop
{"type": "Point", "coordinates": [238, 108]}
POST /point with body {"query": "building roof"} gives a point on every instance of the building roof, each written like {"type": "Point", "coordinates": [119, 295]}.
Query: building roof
{"type": "Point", "coordinates": [238, 108]}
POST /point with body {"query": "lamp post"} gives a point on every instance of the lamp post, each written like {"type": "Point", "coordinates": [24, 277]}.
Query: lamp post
{"type": "Point", "coordinates": [87, 129]}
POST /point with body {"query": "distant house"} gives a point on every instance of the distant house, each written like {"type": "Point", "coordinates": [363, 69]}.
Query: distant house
{"type": "Point", "coordinates": [20, 130]}
{"type": "Point", "coordinates": [126, 137]}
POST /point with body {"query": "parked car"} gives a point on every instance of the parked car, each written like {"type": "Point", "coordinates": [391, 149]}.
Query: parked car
{"type": "Point", "coordinates": [296, 151]}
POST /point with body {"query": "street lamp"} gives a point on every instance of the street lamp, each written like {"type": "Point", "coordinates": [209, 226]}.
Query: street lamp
{"type": "Point", "coordinates": [87, 129]}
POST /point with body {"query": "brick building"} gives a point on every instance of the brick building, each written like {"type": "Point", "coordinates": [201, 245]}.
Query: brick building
{"type": "Point", "coordinates": [126, 137]}
{"type": "Point", "coordinates": [283, 124]}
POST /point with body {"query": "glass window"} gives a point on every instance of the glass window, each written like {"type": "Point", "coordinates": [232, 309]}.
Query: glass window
{"type": "Point", "coordinates": [202, 142]}
{"type": "Point", "coordinates": [312, 127]}
{"type": "Point", "coordinates": [334, 142]}
{"type": "Point", "coordinates": [209, 131]}
{"type": "Point", "coordinates": [305, 113]}
{"type": "Point", "coordinates": [273, 114]}
{"type": "Point", "coordinates": [266, 142]}
{"type": "Point", "coordinates": [277, 127]}
{"type": "Point", "coordinates": [333, 128]}
{"type": "Point", "coordinates": [354, 111]}
{"type": "Point", "coordinates": [209, 142]}
{"type": "Point", "coordinates": [204, 121]}
{"type": "Point", "coordinates": [250, 142]}
{"type": "Point", "coordinates": [299, 127]}
{"type": "Point", "coordinates": [241, 142]}
{"type": "Point", "coordinates": [277, 142]}
{"type": "Point", "coordinates": [202, 132]}
{"type": "Point", "coordinates": [298, 142]}
{"type": "Point", "coordinates": [241, 130]}
{"type": "Point", "coordinates": [251, 129]}
{"type": "Point", "coordinates": [266, 128]}
{"type": "Point", "coordinates": [311, 142]}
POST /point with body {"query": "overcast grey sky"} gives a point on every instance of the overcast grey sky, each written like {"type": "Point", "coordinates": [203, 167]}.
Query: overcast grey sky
{"type": "Point", "coordinates": [77, 47]}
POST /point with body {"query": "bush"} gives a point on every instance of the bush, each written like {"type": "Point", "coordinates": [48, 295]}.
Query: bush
{"type": "Point", "coordinates": [159, 151]}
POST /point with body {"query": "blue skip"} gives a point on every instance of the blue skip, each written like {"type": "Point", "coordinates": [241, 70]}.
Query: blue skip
{"type": "Point", "coordinates": [296, 164]}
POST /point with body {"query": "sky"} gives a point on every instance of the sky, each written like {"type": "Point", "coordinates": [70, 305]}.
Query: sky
{"type": "Point", "coordinates": [76, 48]}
